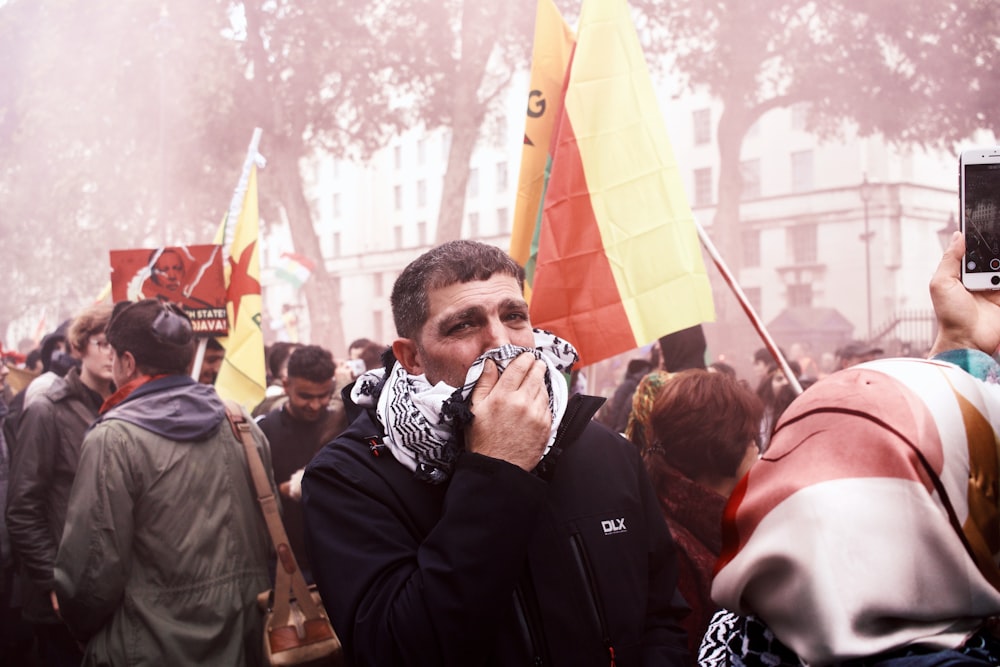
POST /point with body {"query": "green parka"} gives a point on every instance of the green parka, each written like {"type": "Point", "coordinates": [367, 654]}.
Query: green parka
{"type": "Point", "coordinates": [165, 548]}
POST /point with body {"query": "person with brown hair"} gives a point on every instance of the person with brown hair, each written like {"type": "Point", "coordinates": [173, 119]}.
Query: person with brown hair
{"type": "Point", "coordinates": [44, 457]}
{"type": "Point", "coordinates": [704, 431]}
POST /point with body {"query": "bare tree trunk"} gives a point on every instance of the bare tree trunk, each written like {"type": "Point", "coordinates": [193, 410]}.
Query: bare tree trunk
{"type": "Point", "coordinates": [322, 289]}
{"type": "Point", "coordinates": [733, 127]}
{"type": "Point", "coordinates": [465, 131]}
{"type": "Point", "coordinates": [479, 36]}
{"type": "Point", "coordinates": [726, 224]}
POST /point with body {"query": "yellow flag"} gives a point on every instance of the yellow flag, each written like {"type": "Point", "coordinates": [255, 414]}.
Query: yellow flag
{"type": "Point", "coordinates": [549, 59]}
{"type": "Point", "coordinates": [242, 376]}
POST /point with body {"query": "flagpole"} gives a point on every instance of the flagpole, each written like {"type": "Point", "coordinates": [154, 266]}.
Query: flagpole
{"type": "Point", "coordinates": [199, 358]}
{"type": "Point", "coordinates": [727, 275]}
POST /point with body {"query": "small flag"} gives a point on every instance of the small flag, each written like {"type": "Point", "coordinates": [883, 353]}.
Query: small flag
{"type": "Point", "coordinates": [294, 268]}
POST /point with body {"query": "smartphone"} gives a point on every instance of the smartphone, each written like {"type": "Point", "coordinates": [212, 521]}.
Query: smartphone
{"type": "Point", "coordinates": [979, 201]}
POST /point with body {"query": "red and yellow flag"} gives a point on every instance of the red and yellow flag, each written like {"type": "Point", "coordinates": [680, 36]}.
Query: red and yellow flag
{"type": "Point", "coordinates": [242, 376]}
{"type": "Point", "coordinates": [619, 263]}
{"type": "Point", "coordinates": [549, 62]}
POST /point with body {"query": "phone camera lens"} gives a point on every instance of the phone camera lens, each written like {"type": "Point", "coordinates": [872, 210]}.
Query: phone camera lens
{"type": "Point", "coordinates": [995, 280]}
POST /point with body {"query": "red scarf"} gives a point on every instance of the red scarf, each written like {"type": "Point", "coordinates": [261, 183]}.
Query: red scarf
{"type": "Point", "coordinates": [124, 391]}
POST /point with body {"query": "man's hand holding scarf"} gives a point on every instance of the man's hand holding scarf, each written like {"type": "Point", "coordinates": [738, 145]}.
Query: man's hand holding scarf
{"type": "Point", "coordinates": [513, 420]}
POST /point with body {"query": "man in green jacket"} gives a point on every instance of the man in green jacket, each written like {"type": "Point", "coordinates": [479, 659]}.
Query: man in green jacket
{"type": "Point", "coordinates": [165, 547]}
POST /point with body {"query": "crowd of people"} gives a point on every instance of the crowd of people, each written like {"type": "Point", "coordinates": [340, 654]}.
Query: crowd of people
{"type": "Point", "coordinates": [456, 500]}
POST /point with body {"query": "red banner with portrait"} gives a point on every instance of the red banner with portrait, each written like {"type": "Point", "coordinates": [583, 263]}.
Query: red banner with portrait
{"type": "Point", "coordinates": [190, 276]}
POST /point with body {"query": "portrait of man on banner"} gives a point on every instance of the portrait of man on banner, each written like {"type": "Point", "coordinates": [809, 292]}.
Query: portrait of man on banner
{"type": "Point", "coordinates": [189, 276]}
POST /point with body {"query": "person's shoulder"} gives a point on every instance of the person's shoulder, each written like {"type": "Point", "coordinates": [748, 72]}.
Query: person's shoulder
{"type": "Point", "coordinates": [358, 445]}
{"type": "Point", "coordinates": [49, 386]}
{"type": "Point", "coordinates": [599, 442]}
{"type": "Point", "coordinates": [267, 420]}
{"type": "Point", "coordinates": [42, 394]}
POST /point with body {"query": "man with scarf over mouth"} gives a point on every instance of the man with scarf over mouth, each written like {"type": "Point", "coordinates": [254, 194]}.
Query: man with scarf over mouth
{"type": "Point", "coordinates": [165, 547]}
{"type": "Point", "coordinates": [473, 513]}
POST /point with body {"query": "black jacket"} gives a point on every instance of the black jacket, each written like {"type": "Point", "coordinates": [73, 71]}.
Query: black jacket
{"type": "Point", "coordinates": [498, 566]}
{"type": "Point", "coordinates": [43, 465]}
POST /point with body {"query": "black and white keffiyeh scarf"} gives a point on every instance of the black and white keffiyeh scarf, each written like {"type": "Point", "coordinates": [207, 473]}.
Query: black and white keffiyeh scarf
{"type": "Point", "coordinates": [422, 421]}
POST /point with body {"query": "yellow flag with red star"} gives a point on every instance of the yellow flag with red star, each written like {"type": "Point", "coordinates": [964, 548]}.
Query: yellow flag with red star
{"type": "Point", "coordinates": [243, 377]}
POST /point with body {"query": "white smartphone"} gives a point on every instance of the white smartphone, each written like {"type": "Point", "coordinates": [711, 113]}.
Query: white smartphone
{"type": "Point", "coordinates": [979, 201]}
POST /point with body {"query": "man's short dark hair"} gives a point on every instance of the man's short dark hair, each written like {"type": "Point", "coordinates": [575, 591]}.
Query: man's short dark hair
{"type": "Point", "coordinates": [311, 362]}
{"type": "Point", "coordinates": [447, 264]}
{"type": "Point", "coordinates": [158, 334]}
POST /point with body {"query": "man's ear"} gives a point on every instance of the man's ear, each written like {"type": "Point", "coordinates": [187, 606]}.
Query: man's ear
{"type": "Point", "coordinates": [129, 365]}
{"type": "Point", "coordinates": [407, 354]}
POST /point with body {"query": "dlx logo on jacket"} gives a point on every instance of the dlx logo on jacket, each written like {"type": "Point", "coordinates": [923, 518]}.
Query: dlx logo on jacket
{"type": "Point", "coordinates": [613, 526]}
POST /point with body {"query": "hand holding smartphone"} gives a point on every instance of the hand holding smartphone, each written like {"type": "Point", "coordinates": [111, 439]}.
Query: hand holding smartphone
{"type": "Point", "coordinates": [979, 200]}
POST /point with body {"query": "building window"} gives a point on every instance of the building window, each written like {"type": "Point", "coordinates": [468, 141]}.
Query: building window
{"type": "Point", "coordinates": [800, 295]}
{"type": "Point", "coordinates": [377, 289]}
{"type": "Point", "coordinates": [750, 170]}
{"type": "Point", "coordinates": [800, 117]}
{"type": "Point", "coordinates": [421, 193]}
{"type": "Point", "coordinates": [501, 137]}
{"type": "Point", "coordinates": [473, 225]}
{"type": "Point", "coordinates": [702, 119]}
{"type": "Point", "coordinates": [501, 177]}
{"type": "Point", "coordinates": [472, 189]}
{"type": "Point", "coordinates": [336, 204]}
{"type": "Point", "coordinates": [753, 295]}
{"type": "Point", "coordinates": [751, 247]}
{"type": "Point", "coordinates": [397, 197]}
{"type": "Point", "coordinates": [802, 171]}
{"type": "Point", "coordinates": [422, 151]}
{"type": "Point", "coordinates": [335, 242]}
{"type": "Point", "coordinates": [802, 242]}
{"type": "Point", "coordinates": [421, 233]}
{"type": "Point", "coordinates": [703, 186]}
{"type": "Point", "coordinates": [503, 220]}
{"type": "Point", "coordinates": [397, 157]}
{"type": "Point", "coordinates": [397, 236]}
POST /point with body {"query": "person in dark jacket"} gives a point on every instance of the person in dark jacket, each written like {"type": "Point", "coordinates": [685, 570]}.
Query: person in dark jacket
{"type": "Point", "coordinates": [473, 513]}
{"type": "Point", "coordinates": [43, 465]}
{"type": "Point", "coordinates": [615, 413]}
{"type": "Point", "coordinates": [297, 430]}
